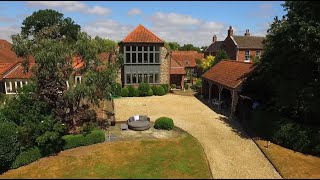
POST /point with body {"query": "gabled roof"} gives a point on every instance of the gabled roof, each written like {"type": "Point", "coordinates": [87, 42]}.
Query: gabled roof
{"type": "Point", "coordinates": [18, 72]}
{"type": "Point", "coordinates": [187, 58]}
{"type": "Point", "coordinates": [214, 47]}
{"type": "Point", "coordinates": [141, 35]}
{"type": "Point", "coordinates": [229, 73]}
{"type": "Point", "coordinates": [249, 42]}
{"type": "Point", "coordinates": [176, 67]}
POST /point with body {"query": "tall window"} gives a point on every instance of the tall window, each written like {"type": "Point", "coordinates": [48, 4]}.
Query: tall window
{"type": "Point", "coordinates": [145, 78]}
{"type": "Point", "coordinates": [247, 56]}
{"type": "Point", "coordinates": [134, 78]}
{"type": "Point", "coordinates": [157, 80]}
{"type": "Point", "coordinates": [150, 78]}
{"type": "Point", "coordinates": [139, 78]}
{"type": "Point", "coordinates": [142, 54]}
{"type": "Point", "coordinates": [128, 79]}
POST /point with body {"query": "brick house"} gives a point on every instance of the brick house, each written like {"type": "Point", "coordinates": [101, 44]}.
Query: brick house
{"type": "Point", "coordinates": [240, 48]}
{"type": "Point", "coordinates": [214, 47]}
{"type": "Point", "coordinates": [145, 58]}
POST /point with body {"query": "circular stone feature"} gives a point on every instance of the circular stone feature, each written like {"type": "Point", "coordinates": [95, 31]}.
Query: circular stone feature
{"type": "Point", "coordinates": [139, 125]}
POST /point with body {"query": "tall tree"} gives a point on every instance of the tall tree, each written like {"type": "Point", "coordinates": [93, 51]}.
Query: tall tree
{"type": "Point", "coordinates": [287, 79]}
{"type": "Point", "coordinates": [33, 24]}
{"type": "Point", "coordinates": [105, 45]}
{"type": "Point", "coordinates": [189, 47]}
{"type": "Point", "coordinates": [219, 56]}
{"type": "Point", "coordinates": [174, 46]}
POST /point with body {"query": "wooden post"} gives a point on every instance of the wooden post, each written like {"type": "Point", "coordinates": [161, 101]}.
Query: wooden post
{"type": "Point", "coordinates": [234, 102]}
{"type": "Point", "coordinates": [210, 85]}
{"type": "Point", "coordinates": [220, 90]}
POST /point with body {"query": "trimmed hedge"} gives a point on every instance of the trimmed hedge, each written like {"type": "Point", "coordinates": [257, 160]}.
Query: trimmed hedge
{"type": "Point", "coordinates": [165, 87]}
{"type": "Point", "coordinates": [150, 92]}
{"type": "Point", "coordinates": [72, 141]}
{"type": "Point", "coordinates": [124, 92]}
{"type": "Point", "coordinates": [154, 89]}
{"type": "Point", "coordinates": [186, 86]}
{"type": "Point", "coordinates": [118, 90]}
{"type": "Point", "coordinates": [160, 91]}
{"type": "Point", "coordinates": [164, 123]}
{"type": "Point", "coordinates": [173, 86]}
{"type": "Point", "coordinates": [143, 89]}
{"type": "Point", "coordinates": [27, 157]}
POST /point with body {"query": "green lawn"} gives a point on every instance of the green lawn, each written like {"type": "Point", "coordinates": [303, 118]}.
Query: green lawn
{"type": "Point", "coordinates": [181, 157]}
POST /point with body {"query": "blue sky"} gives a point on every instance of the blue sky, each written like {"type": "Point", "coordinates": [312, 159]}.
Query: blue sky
{"type": "Point", "coordinates": [185, 22]}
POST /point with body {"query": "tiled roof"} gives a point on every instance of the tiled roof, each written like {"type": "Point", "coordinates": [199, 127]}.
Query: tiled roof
{"type": "Point", "coordinates": [187, 58]}
{"type": "Point", "coordinates": [18, 72]}
{"type": "Point", "coordinates": [176, 67]}
{"type": "Point", "coordinates": [214, 47]}
{"type": "Point", "coordinates": [249, 42]}
{"type": "Point", "coordinates": [141, 35]}
{"type": "Point", "coordinates": [229, 73]}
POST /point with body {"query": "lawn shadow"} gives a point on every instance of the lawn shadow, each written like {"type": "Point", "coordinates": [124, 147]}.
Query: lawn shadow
{"type": "Point", "coordinates": [224, 117]}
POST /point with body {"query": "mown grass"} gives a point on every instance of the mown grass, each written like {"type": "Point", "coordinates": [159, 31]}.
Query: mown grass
{"type": "Point", "coordinates": [180, 157]}
{"type": "Point", "coordinates": [291, 164]}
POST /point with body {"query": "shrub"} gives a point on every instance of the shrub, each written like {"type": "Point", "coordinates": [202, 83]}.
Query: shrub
{"type": "Point", "coordinates": [143, 89]}
{"type": "Point", "coordinates": [150, 92]}
{"type": "Point", "coordinates": [8, 144]}
{"type": "Point", "coordinates": [118, 90]}
{"type": "Point", "coordinates": [131, 91]}
{"type": "Point", "coordinates": [173, 86]}
{"type": "Point", "coordinates": [154, 90]}
{"type": "Point", "coordinates": [197, 85]}
{"type": "Point", "coordinates": [27, 157]}
{"type": "Point", "coordinates": [186, 86]}
{"type": "Point", "coordinates": [164, 123]}
{"type": "Point", "coordinates": [165, 87]}
{"type": "Point", "coordinates": [124, 92]}
{"type": "Point", "coordinates": [72, 141]}
{"type": "Point", "coordinates": [160, 91]}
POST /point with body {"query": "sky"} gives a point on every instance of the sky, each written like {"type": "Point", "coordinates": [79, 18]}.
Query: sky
{"type": "Point", "coordinates": [186, 22]}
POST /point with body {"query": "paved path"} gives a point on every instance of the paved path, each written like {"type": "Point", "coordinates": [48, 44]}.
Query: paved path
{"type": "Point", "coordinates": [231, 153]}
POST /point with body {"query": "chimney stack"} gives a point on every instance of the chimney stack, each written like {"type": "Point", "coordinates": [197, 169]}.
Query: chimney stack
{"type": "Point", "coordinates": [230, 31]}
{"type": "Point", "coordinates": [247, 32]}
{"type": "Point", "coordinates": [214, 38]}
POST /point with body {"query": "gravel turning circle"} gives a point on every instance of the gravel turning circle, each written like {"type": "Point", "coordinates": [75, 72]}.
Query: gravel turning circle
{"type": "Point", "coordinates": [231, 153]}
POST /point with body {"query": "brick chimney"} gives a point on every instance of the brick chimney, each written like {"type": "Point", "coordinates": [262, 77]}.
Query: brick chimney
{"type": "Point", "coordinates": [214, 38]}
{"type": "Point", "coordinates": [247, 32]}
{"type": "Point", "coordinates": [230, 31]}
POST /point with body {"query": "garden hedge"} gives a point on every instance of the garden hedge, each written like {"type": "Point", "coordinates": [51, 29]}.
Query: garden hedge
{"type": "Point", "coordinates": [27, 157]}
{"type": "Point", "coordinates": [72, 141]}
{"type": "Point", "coordinates": [164, 123]}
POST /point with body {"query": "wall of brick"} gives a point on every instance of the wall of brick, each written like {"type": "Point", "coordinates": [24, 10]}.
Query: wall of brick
{"type": "Point", "coordinates": [241, 54]}
{"type": "Point", "coordinates": [230, 48]}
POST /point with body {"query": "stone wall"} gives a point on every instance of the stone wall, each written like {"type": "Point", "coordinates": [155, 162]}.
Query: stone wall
{"type": "Point", "coordinates": [165, 66]}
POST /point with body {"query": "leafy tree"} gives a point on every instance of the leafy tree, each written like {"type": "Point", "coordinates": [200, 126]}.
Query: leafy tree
{"type": "Point", "coordinates": [105, 45]}
{"type": "Point", "coordinates": [208, 62]}
{"type": "Point", "coordinates": [219, 56]}
{"type": "Point", "coordinates": [287, 78]}
{"type": "Point", "coordinates": [41, 19]}
{"type": "Point", "coordinates": [174, 46]}
{"type": "Point", "coordinates": [189, 47]}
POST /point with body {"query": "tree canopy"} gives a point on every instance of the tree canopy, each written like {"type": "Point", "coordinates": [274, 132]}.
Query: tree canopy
{"type": "Point", "coordinates": [287, 79]}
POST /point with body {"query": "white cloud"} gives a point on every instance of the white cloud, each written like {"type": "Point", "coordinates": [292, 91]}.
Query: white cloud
{"type": "Point", "coordinates": [134, 11]}
{"type": "Point", "coordinates": [71, 6]}
{"type": "Point", "coordinates": [174, 19]}
{"type": "Point", "coordinates": [7, 19]}
{"type": "Point", "coordinates": [7, 31]}
{"type": "Point", "coordinates": [265, 10]}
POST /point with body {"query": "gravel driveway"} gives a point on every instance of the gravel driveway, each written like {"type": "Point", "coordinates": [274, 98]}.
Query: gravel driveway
{"type": "Point", "coordinates": [230, 152]}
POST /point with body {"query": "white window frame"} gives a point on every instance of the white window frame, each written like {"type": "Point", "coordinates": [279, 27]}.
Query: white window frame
{"type": "Point", "coordinates": [258, 54]}
{"type": "Point", "coordinates": [78, 77]}
{"type": "Point", "coordinates": [247, 56]}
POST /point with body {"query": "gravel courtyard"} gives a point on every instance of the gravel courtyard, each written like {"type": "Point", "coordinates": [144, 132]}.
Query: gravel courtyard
{"type": "Point", "coordinates": [231, 153]}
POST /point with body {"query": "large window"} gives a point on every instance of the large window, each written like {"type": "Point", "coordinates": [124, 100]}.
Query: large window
{"type": "Point", "coordinates": [247, 56]}
{"type": "Point", "coordinates": [142, 54]}
{"type": "Point", "coordinates": [151, 78]}
{"type": "Point", "coordinates": [11, 87]}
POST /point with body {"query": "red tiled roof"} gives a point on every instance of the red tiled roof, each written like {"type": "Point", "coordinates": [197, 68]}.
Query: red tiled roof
{"type": "Point", "coordinates": [229, 73]}
{"type": "Point", "coordinates": [18, 72]}
{"type": "Point", "coordinates": [141, 35]}
{"type": "Point", "coordinates": [176, 67]}
{"type": "Point", "coordinates": [187, 58]}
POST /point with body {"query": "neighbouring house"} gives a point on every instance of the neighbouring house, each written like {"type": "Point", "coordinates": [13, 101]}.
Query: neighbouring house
{"type": "Point", "coordinates": [145, 58]}
{"type": "Point", "coordinates": [14, 76]}
{"type": "Point", "coordinates": [177, 74]}
{"type": "Point", "coordinates": [224, 81]}
{"type": "Point", "coordinates": [240, 48]}
{"type": "Point", "coordinates": [188, 60]}
{"type": "Point", "coordinates": [214, 47]}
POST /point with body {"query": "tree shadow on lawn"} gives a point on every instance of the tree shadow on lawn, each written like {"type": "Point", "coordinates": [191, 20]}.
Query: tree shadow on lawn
{"type": "Point", "coordinates": [224, 117]}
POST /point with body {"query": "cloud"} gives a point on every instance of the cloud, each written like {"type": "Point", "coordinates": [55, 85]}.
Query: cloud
{"type": "Point", "coordinates": [165, 19]}
{"type": "Point", "coordinates": [7, 31]}
{"type": "Point", "coordinates": [262, 29]}
{"type": "Point", "coordinates": [71, 6]}
{"type": "Point", "coordinates": [134, 11]}
{"type": "Point", "coordinates": [108, 28]}
{"type": "Point", "coordinates": [7, 19]}
{"type": "Point", "coordinates": [265, 10]}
